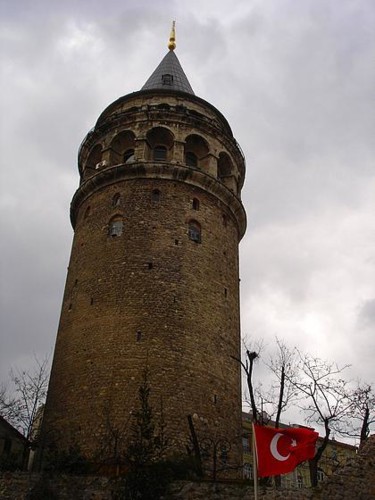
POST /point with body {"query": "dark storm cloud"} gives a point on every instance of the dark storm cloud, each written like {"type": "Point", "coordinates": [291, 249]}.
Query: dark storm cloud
{"type": "Point", "coordinates": [296, 82]}
{"type": "Point", "coordinates": [367, 315]}
{"type": "Point", "coordinates": [309, 191]}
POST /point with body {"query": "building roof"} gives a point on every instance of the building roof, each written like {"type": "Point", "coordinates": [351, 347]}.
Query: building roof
{"type": "Point", "coordinates": [9, 427]}
{"type": "Point", "coordinates": [169, 75]}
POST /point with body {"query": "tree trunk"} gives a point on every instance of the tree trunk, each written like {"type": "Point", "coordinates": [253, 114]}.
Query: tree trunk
{"type": "Point", "coordinates": [364, 428]}
{"type": "Point", "coordinates": [313, 468]}
{"type": "Point", "coordinates": [313, 464]}
{"type": "Point", "coordinates": [279, 408]}
{"type": "Point", "coordinates": [25, 456]}
{"type": "Point", "coordinates": [197, 451]}
{"type": "Point", "coordinates": [251, 357]}
{"type": "Point", "coordinates": [281, 396]}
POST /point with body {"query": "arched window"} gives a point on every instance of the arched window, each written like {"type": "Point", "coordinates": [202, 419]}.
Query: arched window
{"type": "Point", "coordinates": [224, 454]}
{"type": "Point", "coordinates": [320, 474]}
{"type": "Point", "coordinates": [191, 159]}
{"type": "Point", "coordinates": [87, 212]}
{"type": "Point", "coordinates": [122, 148]}
{"type": "Point", "coordinates": [129, 156]}
{"type": "Point", "coordinates": [224, 165]}
{"type": "Point", "coordinates": [160, 141]}
{"type": "Point", "coordinates": [94, 159]}
{"type": "Point", "coordinates": [226, 172]}
{"type": "Point", "coordinates": [195, 204]}
{"type": "Point", "coordinates": [116, 200]}
{"type": "Point", "coordinates": [195, 232]}
{"type": "Point", "coordinates": [155, 195]}
{"type": "Point", "coordinates": [164, 106]}
{"type": "Point", "coordinates": [115, 226]}
{"type": "Point", "coordinates": [196, 151]}
{"type": "Point", "coordinates": [160, 153]}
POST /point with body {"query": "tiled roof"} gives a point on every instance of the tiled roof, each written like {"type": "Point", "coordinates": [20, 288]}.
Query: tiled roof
{"type": "Point", "coordinates": [169, 75]}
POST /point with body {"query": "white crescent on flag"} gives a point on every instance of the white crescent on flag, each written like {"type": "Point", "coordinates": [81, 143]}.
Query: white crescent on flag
{"type": "Point", "coordinates": [275, 451]}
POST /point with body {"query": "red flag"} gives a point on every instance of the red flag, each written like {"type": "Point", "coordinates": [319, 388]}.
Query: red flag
{"type": "Point", "coordinates": [279, 451]}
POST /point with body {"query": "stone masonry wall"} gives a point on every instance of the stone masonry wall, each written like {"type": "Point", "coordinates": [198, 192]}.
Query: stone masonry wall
{"type": "Point", "coordinates": [354, 481]}
{"type": "Point", "coordinates": [152, 296]}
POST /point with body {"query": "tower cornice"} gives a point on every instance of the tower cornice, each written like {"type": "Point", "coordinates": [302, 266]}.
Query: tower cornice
{"type": "Point", "coordinates": [185, 97]}
{"type": "Point", "coordinates": [170, 108]}
{"type": "Point", "coordinates": [161, 171]}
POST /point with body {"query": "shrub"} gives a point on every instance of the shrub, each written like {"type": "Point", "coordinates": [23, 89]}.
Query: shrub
{"type": "Point", "coordinates": [69, 461]}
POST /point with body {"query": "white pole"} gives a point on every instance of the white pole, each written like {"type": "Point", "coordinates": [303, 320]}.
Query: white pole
{"type": "Point", "coordinates": [255, 466]}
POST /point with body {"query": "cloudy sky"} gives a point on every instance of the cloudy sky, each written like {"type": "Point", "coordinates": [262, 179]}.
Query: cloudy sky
{"type": "Point", "coordinates": [296, 81]}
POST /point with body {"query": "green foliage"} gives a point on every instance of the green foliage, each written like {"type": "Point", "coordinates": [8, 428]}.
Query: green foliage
{"type": "Point", "coordinates": [149, 472]}
{"type": "Point", "coordinates": [184, 467]}
{"type": "Point", "coordinates": [69, 461]}
{"type": "Point", "coordinates": [147, 483]}
{"type": "Point", "coordinates": [151, 481]}
{"type": "Point", "coordinates": [42, 490]}
{"type": "Point", "coordinates": [10, 463]}
{"type": "Point", "coordinates": [147, 444]}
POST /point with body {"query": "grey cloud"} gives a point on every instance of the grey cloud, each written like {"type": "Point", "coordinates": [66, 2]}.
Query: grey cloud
{"type": "Point", "coordinates": [366, 316]}
{"type": "Point", "coordinates": [295, 81]}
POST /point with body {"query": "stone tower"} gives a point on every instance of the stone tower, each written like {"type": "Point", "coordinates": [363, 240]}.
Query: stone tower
{"type": "Point", "coordinates": [153, 278]}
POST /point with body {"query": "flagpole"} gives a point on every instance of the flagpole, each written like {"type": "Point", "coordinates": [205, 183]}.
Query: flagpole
{"type": "Point", "coordinates": [255, 466]}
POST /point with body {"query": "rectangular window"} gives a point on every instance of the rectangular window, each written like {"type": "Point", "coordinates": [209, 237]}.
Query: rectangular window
{"type": "Point", "coordinates": [167, 79]}
{"type": "Point", "coordinates": [115, 228]}
{"type": "Point", "coordinates": [194, 234]}
{"type": "Point", "coordinates": [245, 444]}
{"type": "Point", "coordinates": [248, 471]}
{"type": "Point", "coordinates": [7, 446]}
{"type": "Point", "coordinates": [160, 153]}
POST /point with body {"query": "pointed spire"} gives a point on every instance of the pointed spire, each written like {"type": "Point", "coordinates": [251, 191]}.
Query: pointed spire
{"type": "Point", "coordinates": [172, 37]}
{"type": "Point", "coordinates": [169, 75]}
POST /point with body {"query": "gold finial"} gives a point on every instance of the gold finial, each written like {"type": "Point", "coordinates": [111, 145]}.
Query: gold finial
{"type": "Point", "coordinates": [172, 37]}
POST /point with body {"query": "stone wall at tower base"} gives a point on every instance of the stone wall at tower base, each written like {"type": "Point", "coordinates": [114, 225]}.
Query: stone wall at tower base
{"type": "Point", "coordinates": [23, 486]}
{"type": "Point", "coordinates": [232, 491]}
{"type": "Point", "coordinates": [355, 480]}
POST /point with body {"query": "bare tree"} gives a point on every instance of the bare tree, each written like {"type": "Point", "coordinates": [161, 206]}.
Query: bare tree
{"type": "Point", "coordinates": [363, 409]}
{"type": "Point", "coordinates": [267, 402]}
{"type": "Point", "coordinates": [111, 444]}
{"type": "Point", "coordinates": [251, 356]}
{"type": "Point", "coordinates": [7, 404]}
{"type": "Point", "coordinates": [361, 415]}
{"type": "Point", "coordinates": [325, 398]}
{"type": "Point", "coordinates": [275, 398]}
{"type": "Point", "coordinates": [211, 449]}
{"type": "Point", "coordinates": [20, 408]}
{"type": "Point", "coordinates": [248, 366]}
{"type": "Point", "coordinates": [282, 392]}
{"type": "Point", "coordinates": [23, 407]}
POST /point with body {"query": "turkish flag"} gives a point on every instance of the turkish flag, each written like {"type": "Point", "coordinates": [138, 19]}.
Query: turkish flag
{"type": "Point", "coordinates": [279, 451]}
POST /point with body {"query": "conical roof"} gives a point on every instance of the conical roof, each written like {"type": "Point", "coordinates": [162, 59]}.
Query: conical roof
{"type": "Point", "coordinates": [169, 75]}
